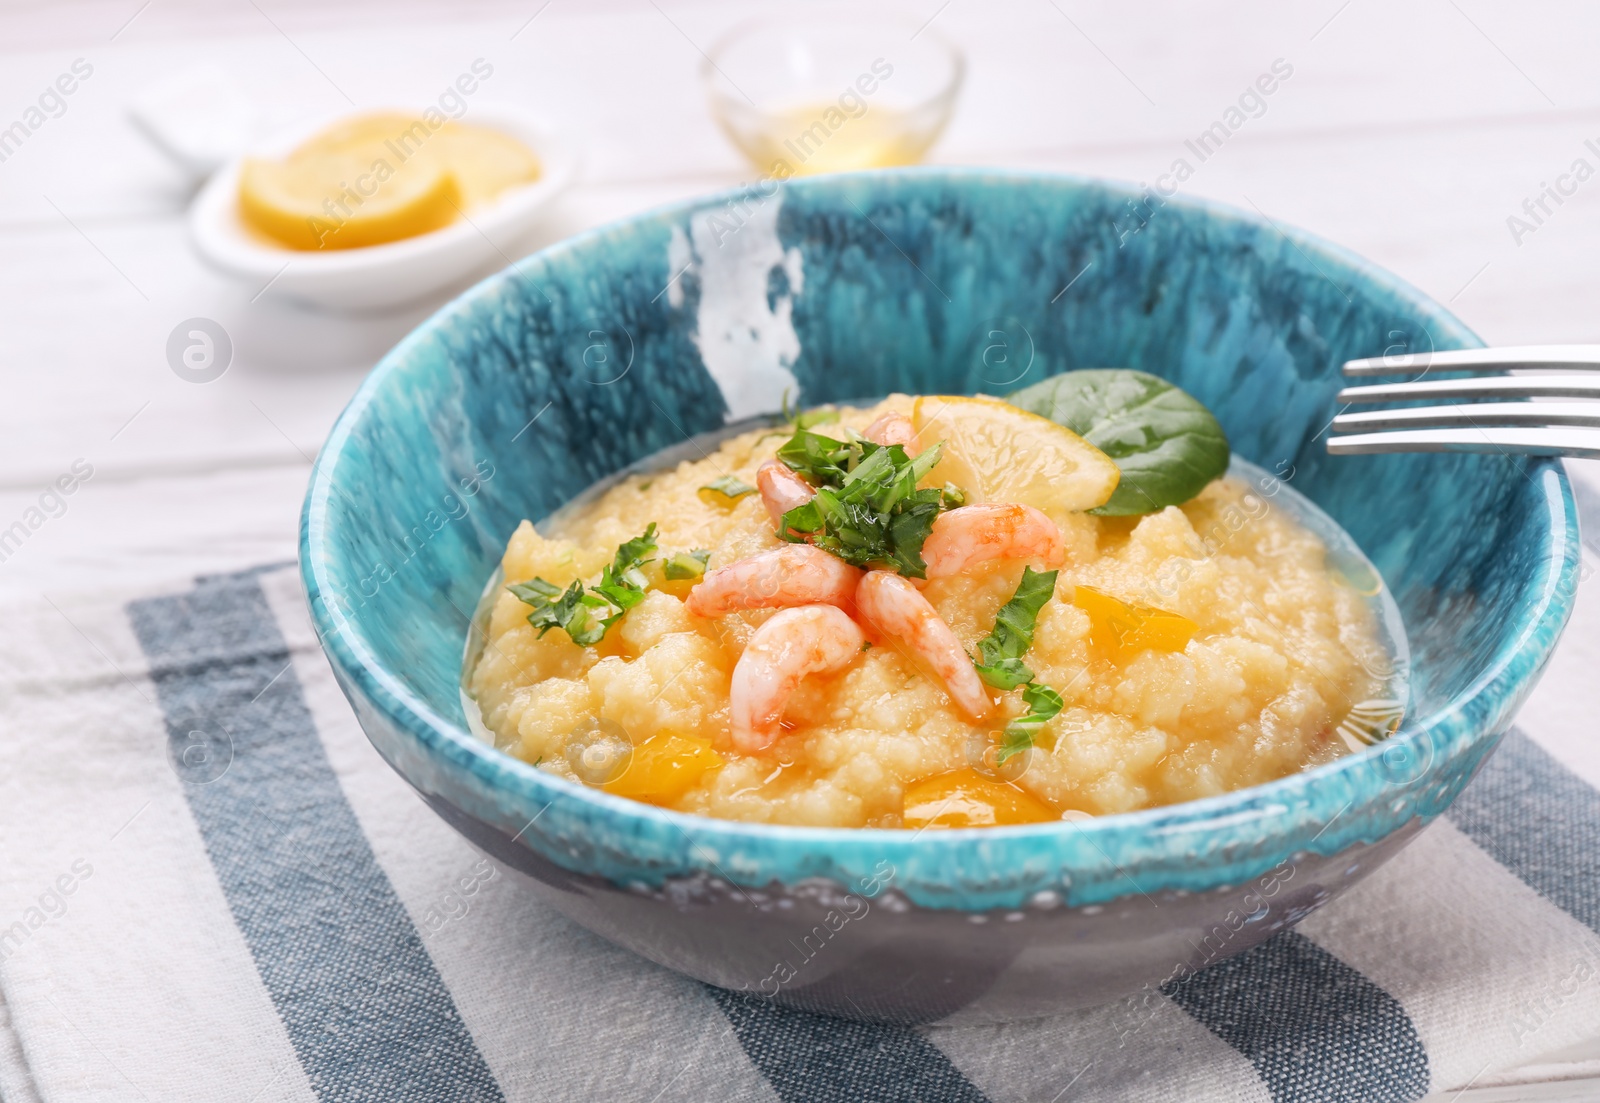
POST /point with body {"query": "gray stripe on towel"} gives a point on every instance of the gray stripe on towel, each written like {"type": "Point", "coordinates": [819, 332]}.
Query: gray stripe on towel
{"type": "Point", "coordinates": [1313, 1027]}
{"type": "Point", "coordinates": [1539, 820]}
{"type": "Point", "coordinates": [811, 1058]}
{"type": "Point", "coordinates": [359, 996]}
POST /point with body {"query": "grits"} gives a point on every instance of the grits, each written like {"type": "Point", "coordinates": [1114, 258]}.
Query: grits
{"type": "Point", "coordinates": [1282, 649]}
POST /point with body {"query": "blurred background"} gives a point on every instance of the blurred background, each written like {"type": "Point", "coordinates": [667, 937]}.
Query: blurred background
{"type": "Point", "coordinates": [1441, 139]}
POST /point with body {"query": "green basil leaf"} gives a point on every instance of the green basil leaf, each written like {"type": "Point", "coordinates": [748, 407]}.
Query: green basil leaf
{"type": "Point", "coordinates": [800, 520]}
{"type": "Point", "coordinates": [1043, 703]}
{"type": "Point", "coordinates": [925, 460]}
{"type": "Point", "coordinates": [908, 531]}
{"type": "Point", "coordinates": [798, 419]}
{"type": "Point", "coordinates": [634, 553]}
{"type": "Point", "coordinates": [875, 473]}
{"type": "Point", "coordinates": [815, 417]}
{"type": "Point", "coordinates": [867, 509]}
{"type": "Point", "coordinates": [1002, 649]}
{"type": "Point", "coordinates": [818, 458]}
{"type": "Point", "coordinates": [622, 583]}
{"type": "Point", "coordinates": [556, 608]}
{"type": "Point", "coordinates": [1013, 741]}
{"type": "Point", "coordinates": [726, 490]}
{"type": "Point", "coordinates": [1004, 672]}
{"type": "Point", "coordinates": [536, 592]}
{"type": "Point", "coordinates": [690, 564]}
{"type": "Point", "coordinates": [585, 615]}
{"type": "Point", "coordinates": [584, 628]}
{"type": "Point", "coordinates": [621, 596]}
{"type": "Point", "coordinates": [1168, 445]}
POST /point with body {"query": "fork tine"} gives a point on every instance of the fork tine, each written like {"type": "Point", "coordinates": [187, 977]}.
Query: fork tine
{"type": "Point", "coordinates": [1494, 386]}
{"type": "Point", "coordinates": [1582, 443]}
{"type": "Point", "coordinates": [1579, 357]}
{"type": "Point", "coordinates": [1479, 414]}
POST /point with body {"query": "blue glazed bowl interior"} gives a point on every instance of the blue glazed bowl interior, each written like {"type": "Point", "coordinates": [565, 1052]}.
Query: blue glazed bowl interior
{"type": "Point", "coordinates": [626, 340]}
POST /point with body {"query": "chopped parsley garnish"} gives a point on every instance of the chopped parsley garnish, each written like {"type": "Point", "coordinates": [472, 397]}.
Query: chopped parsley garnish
{"type": "Point", "coordinates": [867, 509]}
{"type": "Point", "coordinates": [571, 610]}
{"type": "Point", "coordinates": [815, 417]}
{"type": "Point", "coordinates": [622, 582]}
{"type": "Point", "coordinates": [635, 553]}
{"type": "Point", "coordinates": [1043, 703]}
{"type": "Point", "coordinates": [725, 491]}
{"type": "Point", "coordinates": [582, 613]}
{"type": "Point", "coordinates": [798, 419]}
{"type": "Point", "coordinates": [690, 564]}
{"type": "Point", "coordinates": [819, 458]}
{"type": "Point", "coordinates": [1001, 651]}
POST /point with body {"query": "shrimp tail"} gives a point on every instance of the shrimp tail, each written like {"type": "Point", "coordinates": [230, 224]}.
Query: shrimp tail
{"type": "Point", "coordinates": [781, 490]}
{"type": "Point", "coordinates": [894, 428]}
{"type": "Point", "coordinates": [895, 608]}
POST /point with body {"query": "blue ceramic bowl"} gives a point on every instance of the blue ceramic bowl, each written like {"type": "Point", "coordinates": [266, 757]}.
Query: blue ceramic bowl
{"type": "Point", "coordinates": [608, 347]}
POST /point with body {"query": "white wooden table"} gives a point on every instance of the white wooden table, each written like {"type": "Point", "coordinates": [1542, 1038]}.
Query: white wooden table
{"type": "Point", "coordinates": [1408, 132]}
{"type": "Point", "coordinates": [1409, 135]}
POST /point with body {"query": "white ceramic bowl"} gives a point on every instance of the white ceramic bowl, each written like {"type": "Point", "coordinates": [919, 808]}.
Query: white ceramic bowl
{"type": "Point", "coordinates": [378, 276]}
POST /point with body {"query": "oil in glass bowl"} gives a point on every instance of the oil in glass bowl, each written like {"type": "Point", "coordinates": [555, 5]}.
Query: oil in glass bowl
{"type": "Point", "coordinates": [832, 90]}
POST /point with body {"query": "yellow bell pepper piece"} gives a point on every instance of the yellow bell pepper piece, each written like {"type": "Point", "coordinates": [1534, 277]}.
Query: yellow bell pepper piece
{"type": "Point", "coordinates": [967, 798]}
{"type": "Point", "coordinates": [664, 767]}
{"type": "Point", "coordinates": [1121, 628]}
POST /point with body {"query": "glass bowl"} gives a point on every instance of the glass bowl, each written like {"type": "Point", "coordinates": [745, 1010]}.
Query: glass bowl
{"type": "Point", "coordinates": [831, 90]}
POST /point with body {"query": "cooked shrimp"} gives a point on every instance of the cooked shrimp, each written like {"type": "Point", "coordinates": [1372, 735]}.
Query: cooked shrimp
{"type": "Point", "coordinates": [896, 608]}
{"type": "Point", "coordinates": [893, 428]}
{"type": "Point", "coordinates": [795, 574]}
{"type": "Point", "coordinates": [781, 490]}
{"type": "Point", "coordinates": [813, 639]}
{"type": "Point", "coordinates": [970, 535]}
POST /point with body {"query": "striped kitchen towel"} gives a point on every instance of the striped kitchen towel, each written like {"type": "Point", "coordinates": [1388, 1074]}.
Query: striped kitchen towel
{"type": "Point", "coordinates": [301, 927]}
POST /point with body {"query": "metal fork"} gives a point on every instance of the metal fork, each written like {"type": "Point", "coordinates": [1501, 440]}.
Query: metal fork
{"type": "Point", "coordinates": [1532, 425]}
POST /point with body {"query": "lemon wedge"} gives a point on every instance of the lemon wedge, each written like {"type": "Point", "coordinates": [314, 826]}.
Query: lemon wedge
{"type": "Point", "coordinates": [485, 162]}
{"type": "Point", "coordinates": [998, 453]}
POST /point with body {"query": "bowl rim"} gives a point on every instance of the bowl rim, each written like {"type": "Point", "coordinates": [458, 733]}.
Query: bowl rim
{"type": "Point", "coordinates": [1469, 723]}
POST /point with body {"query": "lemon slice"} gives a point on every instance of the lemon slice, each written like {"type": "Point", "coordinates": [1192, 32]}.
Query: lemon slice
{"type": "Point", "coordinates": [998, 453]}
{"type": "Point", "coordinates": [315, 202]}
{"type": "Point", "coordinates": [377, 178]}
{"type": "Point", "coordinates": [485, 162]}
{"type": "Point", "coordinates": [366, 131]}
